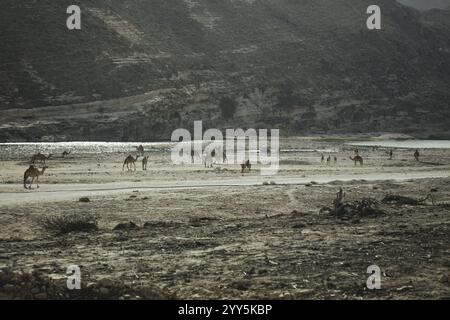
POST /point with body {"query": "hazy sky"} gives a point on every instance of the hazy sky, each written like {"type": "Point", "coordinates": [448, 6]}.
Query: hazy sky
{"type": "Point", "coordinates": [426, 4]}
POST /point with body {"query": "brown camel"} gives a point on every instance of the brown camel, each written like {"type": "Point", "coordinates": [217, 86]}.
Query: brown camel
{"type": "Point", "coordinates": [144, 163]}
{"type": "Point", "coordinates": [416, 155]}
{"type": "Point", "coordinates": [66, 153]}
{"type": "Point", "coordinates": [129, 162]}
{"type": "Point", "coordinates": [357, 159]}
{"type": "Point", "coordinates": [246, 165]}
{"type": "Point", "coordinates": [39, 157]}
{"type": "Point", "coordinates": [32, 172]}
{"type": "Point", "coordinates": [140, 149]}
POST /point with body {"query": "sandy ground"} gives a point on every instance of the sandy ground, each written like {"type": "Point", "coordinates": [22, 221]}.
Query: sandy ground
{"type": "Point", "coordinates": [214, 233]}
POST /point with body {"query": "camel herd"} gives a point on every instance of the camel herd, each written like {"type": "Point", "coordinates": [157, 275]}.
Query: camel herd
{"type": "Point", "coordinates": [34, 173]}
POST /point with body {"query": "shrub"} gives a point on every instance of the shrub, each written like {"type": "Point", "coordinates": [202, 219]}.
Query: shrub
{"type": "Point", "coordinates": [227, 107]}
{"type": "Point", "coordinates": [63, 224]}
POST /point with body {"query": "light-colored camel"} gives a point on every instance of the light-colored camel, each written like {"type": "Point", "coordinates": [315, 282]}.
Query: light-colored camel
{"type": "Point", "coordinates": [357, 159]}
{"type": "Point", "coordinates": [144, 163]}
{"type": "Point", "coordinates": [39, 157]}
{"type": "Point", "coordinates": [246, 165]}
{"type": "Point", "coordinates": [32, 172]}
{"type": "Point", "coordinates": [208, 159]}
{"type": "Point", "coordinates": [129, 162]}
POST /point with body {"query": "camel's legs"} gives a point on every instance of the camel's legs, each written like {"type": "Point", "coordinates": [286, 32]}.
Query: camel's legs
{"type": "Point", "coordinates": [37, 182]}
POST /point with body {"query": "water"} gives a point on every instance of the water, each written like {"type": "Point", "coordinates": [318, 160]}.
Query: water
{"type": "Point", "coordinates": [404, 144]}
{"type": "Point", "coordinates": [28, 149]}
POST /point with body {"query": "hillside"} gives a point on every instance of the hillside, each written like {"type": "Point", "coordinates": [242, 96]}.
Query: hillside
{"type": "Point", "coordinates": [140, 68]}
{"type": "Point", "coordinates": [426, 4]}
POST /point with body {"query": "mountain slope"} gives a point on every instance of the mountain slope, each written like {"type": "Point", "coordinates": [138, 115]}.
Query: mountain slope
{"type": "Point", "coordinates": [140, 68]}
{"type": "Point", "coordinates": [426, 4]}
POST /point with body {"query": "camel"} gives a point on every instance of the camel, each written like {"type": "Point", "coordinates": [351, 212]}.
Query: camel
{"type": "Point", "coordinates": [195, 155]}
{"type": "Point", "coordinates": [144, 163]}
{"type": "Point", "coordinates": [32, 172]}
{"type": "Point", "coordinates": [140, 149]}
{"type": "Point", "coordinates": [328, 160]}
{"type": "Point", "coordinates": [335, 160]}
{"type": "Point", "coordinates": [39, 157]}
{"type": "Point", "coordinates": [209, 159]}
{"type": "Point", "coordinates": [357, 159]}
{"type": "Point", "coordinates": [416, 155]}
{"type": "Point", "coordinates": [322, 158]}
{"type": "Point", "coordinates": [129, 162]}
{"type": "Point", "coordinates": [66, 153]}
{"type": "Point", "coordinates": [246, 165]}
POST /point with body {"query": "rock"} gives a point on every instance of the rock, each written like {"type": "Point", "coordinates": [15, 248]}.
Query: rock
{"type": "Point", "coordinates": [445, 279]}
{"type": "Point", "coordinates": [126, 226]}
{"type": "Point", "coordinates": [104, 291]}
{"type": "Point", "coordinates": [41, 296]}
{"type": "Point", "coordinates": [404, 288]}
{"type": "Point", "coordinates": [84, 199]}
{"type": "Point", "coordinates": [35, 290]}
{"type": "Point", "coordinates": [8, 287]}
{"type": "Point", "coordinates": [105, 282]}
{"type": "Point", "coordinates": [330, 285]}
{"type": "Point", "coordinates": [241, 285]}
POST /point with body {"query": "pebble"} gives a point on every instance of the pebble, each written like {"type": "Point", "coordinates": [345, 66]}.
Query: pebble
{"type": "Point", "coordinates": [41, 296]}
{"type": "Point", "coordinates": [104, 291]}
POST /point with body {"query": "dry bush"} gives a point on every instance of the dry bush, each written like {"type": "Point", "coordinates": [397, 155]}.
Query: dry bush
{"type": "Point", "coordinates": [67, 223]}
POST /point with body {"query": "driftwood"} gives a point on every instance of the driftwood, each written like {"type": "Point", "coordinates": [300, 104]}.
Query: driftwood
{"type": "Point", "coordinates": [402, 200]}
{"type": "Point", "coordinates": [361, 208]}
